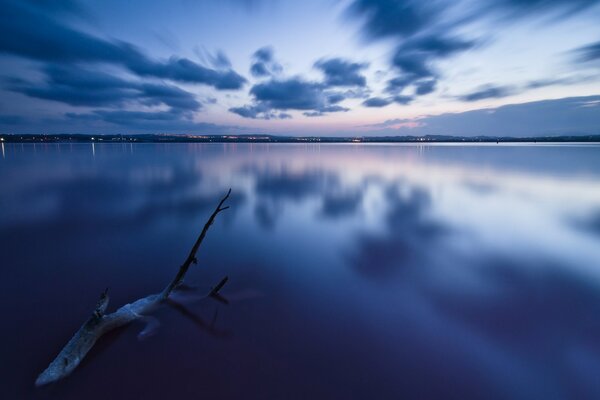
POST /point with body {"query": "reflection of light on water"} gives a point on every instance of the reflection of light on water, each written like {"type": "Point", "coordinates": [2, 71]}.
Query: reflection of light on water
{"type": "Point", "coordinates": [93, 149]}
{"type": "Point", "coordinates": [3, 150]}
{"type": "Point", "coordinates": [469, 248]}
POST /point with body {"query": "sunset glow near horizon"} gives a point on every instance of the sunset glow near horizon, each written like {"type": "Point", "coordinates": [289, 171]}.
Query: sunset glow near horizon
{"type": "Point", "coordinates": [316, 67]}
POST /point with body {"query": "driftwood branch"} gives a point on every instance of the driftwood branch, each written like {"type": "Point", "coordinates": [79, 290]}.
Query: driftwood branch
{"type": "Point", "coordinates": [191, 258]}
{"type": "Point", "coordinates": [100, 323]}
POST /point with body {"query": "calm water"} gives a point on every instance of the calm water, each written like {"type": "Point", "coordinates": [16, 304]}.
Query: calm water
{"type": "Point", "coordinates": [379, 271]}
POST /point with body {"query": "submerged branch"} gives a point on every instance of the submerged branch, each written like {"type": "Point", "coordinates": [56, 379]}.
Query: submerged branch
{"type": "Point", "coordinates": [100, 323]}
{"type": "Point", "coordinates": [191, 258]}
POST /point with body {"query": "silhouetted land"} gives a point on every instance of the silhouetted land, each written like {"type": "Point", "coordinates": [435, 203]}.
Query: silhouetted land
{"type": "Point", "coordinates": [163, 138]}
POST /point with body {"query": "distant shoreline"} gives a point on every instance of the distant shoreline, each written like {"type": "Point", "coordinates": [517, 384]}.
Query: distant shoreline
{"type": "Point", "coordinates": [158, 138]}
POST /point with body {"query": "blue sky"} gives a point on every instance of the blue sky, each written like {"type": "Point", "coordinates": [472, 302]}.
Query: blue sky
{"type": "Point", "coordinates": [316, 67]}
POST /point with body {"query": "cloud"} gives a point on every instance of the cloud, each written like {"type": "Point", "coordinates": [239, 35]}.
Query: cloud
{"type": "Point", "coordinates": [44, 38]}
{"type": "Point", "coordinates": [388, 123]}
{"type": "Point", "coordinates": [71, 62]}
{"type": "Point", "coordinates": [293, 93]}
{"type": "Point", "coordinates": [568, 116]}
{"type": "Point", "coordinates": [401, 99]}
{"type": "Point", "coordinates": [521, 8]}
{"type": "Point", "coordinates": [421, 34]}
{"type": "Point", "coordinates": [290, 94]}
{"type": "Point", "coordinates": [424, 33]}
{"type": "Point", "coordinates": [341, 72]}
{"type": "Point", "coordinates": [185, 70]}
{"type": "Point", "coordinates": [414, 59]}
{"type": "Point", "coordinates": [488, 92]}
{"type": "Point", "coordinates": [99, 121]}
{"type": "Point", "coordinates": [568, 80]}
{"type": "Point", "coordinates": [379, 102]}
{"type": "Point", "coordinates": [259, 111]}
{"type": "Point", "coordinates": [425, 87]}
{"type": "Point", "coordinates": [390, 19]}
{"type": "Point", "coordinates": [219, 60]}
{"type": "Point", "coordinates": [85, 87]}
{"type": "Point", "coordinates": [133, 117]}
{"type": "Point", "coordinates": [590, 52]}
{"type": "Point", "coordinates": [414, 56]}
{"type": "Point", "coordinates": [376, 102]}
{"type": "Point", "coordinates": [335, 98]}
{"type": "Point", "coordinates": [264, 64]}
{"type": "Point", "coordinates": [324, 110]}
{"type": "Point", "coordinates": [492, 91]}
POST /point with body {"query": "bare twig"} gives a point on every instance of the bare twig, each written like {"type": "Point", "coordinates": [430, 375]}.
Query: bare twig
{"type": "Point", "coordinates": [191, 258]}
{"type": "Point", "coordinates": [99, 323]}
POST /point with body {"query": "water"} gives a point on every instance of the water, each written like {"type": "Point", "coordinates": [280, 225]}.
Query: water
{"type": "Point", "coordinates": [356, 271]}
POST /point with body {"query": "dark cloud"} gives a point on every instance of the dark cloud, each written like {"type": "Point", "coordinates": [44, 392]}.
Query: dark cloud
{"type": "Point", "coordinates": [382, 102]}
{"type": "Point", "coordinates": [414, 60]}
{"type": "Point", "coordinates": [259, 70]}
{"type": "Point", "coordinates": [341, 72]}
{"type": "Point", "coordinates": [422, 37]}
{"type": "Point", "coordinates": [488, 92]}
{"type": "Point", "coordinates": [264, 54]}
{"type": "Point", "coordinates": [44, 38]}
{"type": "Point", "coordinates": [393, 18]}
{"type": "Point", "coordinates": [290, 94]}
{"type": "Point", "coordinates": [264, 64]}
{"type": "Point", "coordinates": [376, 102]}
{"type": "Point", "coordinates": [402, 99]}
{"type": "Point", "coordinates": [71, 62]}
{"type": "Point", "coordinates": [259, 111]}
{"type": "Point", "coordinates": [185, 70]}
{"type": "Point", "coordinates": [84, 87]}
{"type": "Point", "coordinates": [327, 109]}
{"type": "Point", "coordinates": [590, 52]}
{"type": "Point", "coordinates": [335, 98]}
{"type": "Point", "coordinates": [399, 83]}
{"type": "Point", "coordinates": [425, 87]}
{"type": "Point", "coordinates": [415, 56]}
{"type": "Point", "coordinates": [293, 93]}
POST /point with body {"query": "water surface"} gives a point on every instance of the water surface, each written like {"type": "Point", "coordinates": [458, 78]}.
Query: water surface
{"type": "Point", "coordinates": [356, 271]}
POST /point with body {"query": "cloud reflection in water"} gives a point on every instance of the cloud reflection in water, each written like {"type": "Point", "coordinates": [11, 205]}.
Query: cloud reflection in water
{"type": "Point", "coordinates": [459, 263]}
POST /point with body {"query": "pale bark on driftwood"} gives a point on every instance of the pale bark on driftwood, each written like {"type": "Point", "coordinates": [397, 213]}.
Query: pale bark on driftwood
{"type": "Point", "coordinates": [100, 323]}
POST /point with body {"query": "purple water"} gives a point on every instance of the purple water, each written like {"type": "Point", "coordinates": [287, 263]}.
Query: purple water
{"type": "Point", "coordinates": [356, 271]}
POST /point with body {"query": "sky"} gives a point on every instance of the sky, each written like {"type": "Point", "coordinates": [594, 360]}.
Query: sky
{"type": "Point", "coordinates": [311, 67]}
